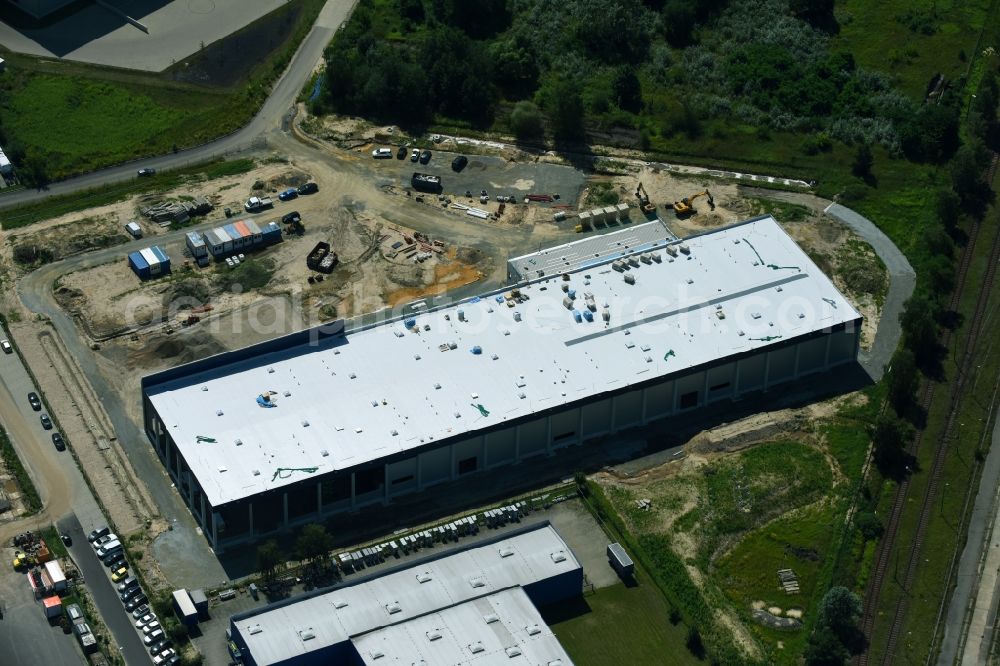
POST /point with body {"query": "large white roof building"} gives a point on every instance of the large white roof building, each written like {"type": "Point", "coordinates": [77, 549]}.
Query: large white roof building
{"type": "Point", "coordinates": [724, 304]}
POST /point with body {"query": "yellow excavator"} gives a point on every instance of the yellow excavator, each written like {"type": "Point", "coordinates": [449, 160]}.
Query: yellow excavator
{"type": "Point", "coordinates": [686, 205]}
{"type": "Point", "coordinates": [647, 207]}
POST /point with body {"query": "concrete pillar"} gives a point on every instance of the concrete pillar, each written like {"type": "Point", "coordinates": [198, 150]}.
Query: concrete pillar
{"type": "Point", "coordinates": [284, 502]}
{"type": "Point", "coordinates": [385, 488]}
{"type": "Point", "coordinates": [826, 354]}
{"type": "Point", "coordinates": [767, 369]}
{"type": "Point", "coordinates": [673, 397]}
{"type": "Point", "coordinates": [736, 380]}
{"type": "Point", "coordinates": [354, 499]}
{"type": "Point", "coordinates": [614, 413]}
{"type": "Point", "coordinates": [798, 352]}
{"type": "Point", "coordinates": [319, 498]}
{"type": "Point", "coordinates": [517, 444]}
{"type": "Point", "coordinates": [704, 389]}
{"type": "Point", "coordinates": [201, 511]}
{"type": "Point", "coordinates": [420, 473]}
{"type": "Point", "coordinates": [483, 464]}
{"type": "Point", "coordinates": [579, 425]}
{"type": "Point", "coordinates": [645, 399]}
{"type": "Point", "coordinates": [451, 454]}
{"type": "Point", "coordinates": [548, 435]}
{"type": "Point", "coordinates": [250, 511]}
{"type": "Point", "coordinates": [215, 527]}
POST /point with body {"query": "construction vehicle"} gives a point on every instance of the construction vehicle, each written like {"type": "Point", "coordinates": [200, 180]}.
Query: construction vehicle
{"type": "Point", "coordinates": [644, 203]}
{"type": "Point", "coordinates": [686, 205]}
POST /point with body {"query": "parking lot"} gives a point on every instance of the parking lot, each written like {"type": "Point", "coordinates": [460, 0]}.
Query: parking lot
{"type": "Point", "coordinates": [483, 172]}
{"type": "Point", "coordinates": [26, 637]}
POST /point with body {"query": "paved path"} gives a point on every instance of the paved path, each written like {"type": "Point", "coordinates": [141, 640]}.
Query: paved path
{"type": "Point", "coordinates": [272, 115]}
{"type": "Point", "coordinates": [977, 585]}
{"type": "Point", "coordinates": [902, 278]}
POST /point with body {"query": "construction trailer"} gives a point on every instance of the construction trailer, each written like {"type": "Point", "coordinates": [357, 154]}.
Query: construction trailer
{"type": "Point", "coordinates": [149, 262]}
{"type": "Point", "coordinates": [133, 229]}
{"type": "Point", "coordinates": [184, 607]}
{"type": "Point", "coordinates": [425, 182]}
{"type": "Point", "coordinates": [200, 602]}
{"type": "Point", "coordinates": [54, 576]}
{"type": "Point", "coordinates": [620, 561]}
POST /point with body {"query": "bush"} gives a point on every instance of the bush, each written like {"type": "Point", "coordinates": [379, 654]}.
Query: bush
{"type": "Point", "coordinates": [869, 525]}
{"type": "Point", "coordinates": [526, 121]}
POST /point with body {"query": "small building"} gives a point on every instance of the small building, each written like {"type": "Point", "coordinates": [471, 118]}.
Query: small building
{"type": "Point", "coordinates": [197, 247]}
{"type": "Point", "coordinates": [184, 607]}
{"type": "Point", "coordinates": [149, 262]}
{"type": "Point", "coordinates": [55, 575]}
{"type": "Point", "coordinates": [271, 233]}
{"type": "Point", "coordinates": [219, 242]}
{"type": "Point", "coordinates": [74, 614]}
{"type": "Point", "coordinates": [52, 606]}
{"type": "Point", "coordinates": [620, 561]}
{"type": "Point", "coordinates": [134, 230]}
{"type": "Point", "coordinates": [200, 602]}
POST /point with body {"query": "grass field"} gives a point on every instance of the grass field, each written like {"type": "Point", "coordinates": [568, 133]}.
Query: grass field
{"type": "Point", "coordinates": [620, 625]}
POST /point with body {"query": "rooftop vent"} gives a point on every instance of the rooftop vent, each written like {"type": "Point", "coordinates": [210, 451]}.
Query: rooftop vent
{"type": "Point", "coordinates": [255, 629]}
{"type": "Point", "coordinates": [558, 556]}
{"type": "Point", "coordinates": [513, 651]}
{"type": "Point", "coordinates": [358, 430]}
{"type": "Point", "coordinates": [506, 551]}
{"type": "Point", "coordinates": [324, 453]}
{"type": "Point", "coordinates": [376, 654]}
{"type": "Point", "coordinates": [288, 394]}
{"type": "Point", "coordinates": [340, 603]}
{"type": "Point", "coordinates": [239, 442]}
{"type": "Point", "coordinates": [352, 376]}
{"type": "Point", "coordinates": [306, 634]}
{"type": "Point", "coordinates": [204, 388]}
{"type": "Point", "coordinates": [490, 618]}
{"type": "Point", "coordinates": [223, 468]}
{"type": "Point", "coordinates": [558, 662]}
{"type": "Point", "coordinates": [219, 413]}
{"type": "Point", "coordinates": [416, 357]}
{"type": "Point", "coordinates": [477, 581]}
{"type": "Point", "coordinates": [477, 647]}
{"type": "Point", "coordinates": [437, 385]}
{"type": "Point", "coordinates": [256, 472]}
{"type": "Point", "coordinates": [393, 608]}
{"type": "Point", "coordinates": [305, 424]}
{"type": "Point", "coordinates": [424, 577]}
{"type": "Point", "coordinates": [533, 629]}
{"type": "Point", "coordinates": [433, 635]}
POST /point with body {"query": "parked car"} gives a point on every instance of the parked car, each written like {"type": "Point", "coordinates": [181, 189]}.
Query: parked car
{"type": "Point", "coordinates": [66, 539]}
{"type": "Point", "coordinates": [118, 574]}
{"type": "Point", "coordinates": [35, 403]}
{"type": "Point", "coordinates": [401, 153]}
{"type": "Point", "coordinates": [159, 646]}
{"type": "Point", "coordinates": [289, 194]}
{"type": "Point", "coordinates": [291, 218]}
{"type": "Point", "coordinates": [139, 610]}
{"type": "Point", "coordinates": [151, 627]}
{"type": "Point", "coordinates": [309, 188]}
{"type": "Point", "coordinates": [5, 345]}
{"type": "Point", "coordinates": [146, 171]}
{"type": "Point", "coordinates": [144, 620]}
{"type": "Point", "coordinates": [109, 548]}
{"type": "Point", "coordinates": [131, 593]}
{"type": "Point", "coordinates": [116, 560]}
{"type": "Point", "coordinates": [425, 157]}
{"type": "Point", "coordinates": [98, 533]}
{"type": "Point", "coordinates": [459, 163]}
{"type": "Point", "coordinates": [382, 154]}
{"type": "Point", "coordinates": [415, 155]}
{"type": "Point", "coordinates": [58, 442]}
{"type": "Point", "coordinates": [164, 656]}
{"type": "Point", "coordinates": [153, 637]}
{"type": "Point", "coordinates": [46, 421]}
{"type": "Point", "coordinates": [103, 539]}
{"type": "Point", "coordinates": [140, 600]}
{"type": "Point", "coordinates": [128, 583]}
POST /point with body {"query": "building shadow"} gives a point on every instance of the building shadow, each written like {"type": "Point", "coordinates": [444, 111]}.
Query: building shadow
{"type": "Point", "coordinates": [564, 610]}
{"type": "Point", "coordinates": [76, 24]}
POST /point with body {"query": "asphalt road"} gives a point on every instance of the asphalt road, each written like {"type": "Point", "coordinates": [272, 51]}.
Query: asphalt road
{"type": "Point", "coordinates": [26, 637]}
{"type": "Point", "coordinates": [102, 590]}
{"type": "Point", "coordinates": [272, 115]}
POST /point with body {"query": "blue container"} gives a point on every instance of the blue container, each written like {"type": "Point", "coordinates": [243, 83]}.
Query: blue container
{"type": "Point", "coordinates": [410, 323]}
{"type": "Point", "coordinates": [138, 264]}
{"type": "Point", "coordinates": [571, 293]}
{"type": "Point", "coordinates": [477, 350]}
{"type": "Point", "coordinates": [588, 315]}
{"type": "Point", "coordinates": [577, 316]}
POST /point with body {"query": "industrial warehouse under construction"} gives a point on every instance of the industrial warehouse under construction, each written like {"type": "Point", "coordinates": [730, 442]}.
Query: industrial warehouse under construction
{"type": "Point", "coordinates": [327, 421]}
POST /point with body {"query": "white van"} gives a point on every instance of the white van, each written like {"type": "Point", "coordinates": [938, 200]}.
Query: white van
{"type": "Point", "coordinates": [382, 154]}
{"type": "Point", "coordinates": [109, 547]}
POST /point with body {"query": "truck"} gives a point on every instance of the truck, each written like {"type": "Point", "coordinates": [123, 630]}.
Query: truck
{"type": "Point", "coordinates": [321, 258]}
{"type": "Point", "coordinates": [424, 182]}
{"type": "Point", "coordinates": [257, 204]}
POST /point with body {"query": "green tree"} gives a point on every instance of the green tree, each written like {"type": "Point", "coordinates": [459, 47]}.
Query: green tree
{"type": "Point", "coordinates": [694, 643]}
{"type": "Point", "coordinates": [890, 435]}
{"type": "Point", "coordinates": [626, 89]}
{"type": "Point", "coordinates": [869, 525]}
{"type": "Point", "coordinates": [564, 108]}
{"type": "Point", "coordinates": [946, 209]}
{"type": "Point", "coordinates": [903, 379]}
{"type": "Point", "coordinates": [412, 10]}
{"type": "Point", "coordinates": [863, 161]}
{"type": "Point", "coordinates": [269, 559]}
{"type": "Point", "coordinates": [314, 544]}
{"type": "Point", "coordinates": [813, 11]}
{"type": "Point", "coordinates": [526, 121]}
{"type": "Point", "coordinates": [825, 648]}
{"type": "Point", "coordinates": [920, 328]}
{"type": "Point", "coordinates": [840, 610]}
{"type": "Point", "coordinates": [967, 172]}
{"type": "Point", "coordinates": [678, 19]}
{"type": "Point", "coordinates": [516, 65]}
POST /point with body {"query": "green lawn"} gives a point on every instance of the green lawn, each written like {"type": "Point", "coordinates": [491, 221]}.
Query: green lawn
{"type": "Point", "coordinates": [621, 625]}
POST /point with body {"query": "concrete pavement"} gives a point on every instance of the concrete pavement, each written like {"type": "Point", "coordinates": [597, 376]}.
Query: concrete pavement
{"type": "Point", "coordinates": [26, 637]}
{"type": "Point", "coordinates": [977, 581]}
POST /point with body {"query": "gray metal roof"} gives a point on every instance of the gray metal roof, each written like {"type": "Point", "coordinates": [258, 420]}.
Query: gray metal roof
{"type": "Point", "coordinates": [502, 628]}
{"type": "Point", "coordinates": [286, 630]}
{"type": "Point", "coordinates": [593, 249]}
{"type": "Point", "coordinates": [413, 381]}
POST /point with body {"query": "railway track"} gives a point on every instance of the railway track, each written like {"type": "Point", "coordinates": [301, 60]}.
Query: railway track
{"type": "Point", "coordinates": [877, 581]}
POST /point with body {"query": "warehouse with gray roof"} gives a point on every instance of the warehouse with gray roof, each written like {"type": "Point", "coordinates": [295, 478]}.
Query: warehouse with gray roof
{"type": "Point", "coordinates": [326, 421]}
{"type": "Point", "coordinates": [472, 605]}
